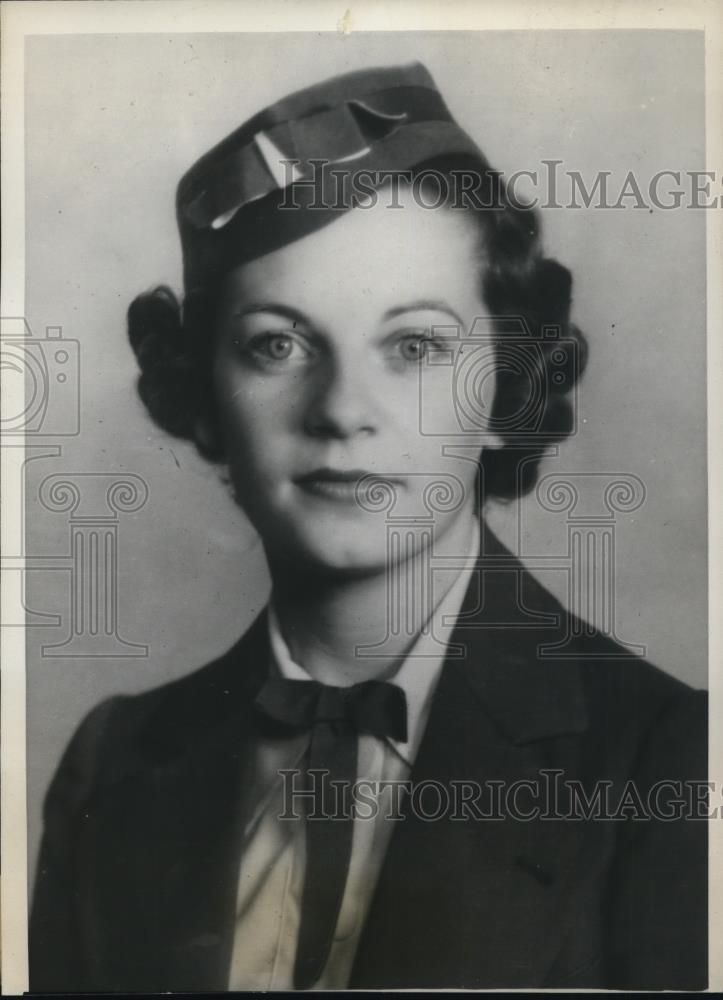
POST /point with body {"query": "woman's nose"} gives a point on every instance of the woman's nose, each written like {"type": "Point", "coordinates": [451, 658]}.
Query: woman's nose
{"type": "Point", "coordinates": [341, 404]}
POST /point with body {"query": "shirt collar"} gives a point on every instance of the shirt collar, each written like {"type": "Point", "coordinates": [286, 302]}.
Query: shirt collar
{"type": "Point", "coordinates": [419, 671]}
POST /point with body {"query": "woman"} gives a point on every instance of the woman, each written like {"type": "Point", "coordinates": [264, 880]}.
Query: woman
{"type": "Point", "coordinates": [336, 801]}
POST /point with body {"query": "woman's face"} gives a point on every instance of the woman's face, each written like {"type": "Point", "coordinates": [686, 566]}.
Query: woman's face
{"type": "Point", "coordinates": [330, 366]}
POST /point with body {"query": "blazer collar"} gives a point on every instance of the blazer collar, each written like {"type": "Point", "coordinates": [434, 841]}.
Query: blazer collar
{"type": "Point", "coordinates": [506, 617]}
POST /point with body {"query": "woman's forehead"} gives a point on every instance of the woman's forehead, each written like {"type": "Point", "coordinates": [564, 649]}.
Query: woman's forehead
{"type": "Point", "coordinates": [383, 252]}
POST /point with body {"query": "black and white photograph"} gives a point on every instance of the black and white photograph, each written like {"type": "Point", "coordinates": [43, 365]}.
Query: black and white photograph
{"type": "Point", "coordinates": [357, 609]}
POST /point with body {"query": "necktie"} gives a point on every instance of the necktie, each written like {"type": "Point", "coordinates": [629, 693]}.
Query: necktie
{"type": "Point", "coordinates": [335, 717]}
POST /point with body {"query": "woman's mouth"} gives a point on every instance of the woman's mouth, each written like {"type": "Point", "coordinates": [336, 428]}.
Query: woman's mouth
{"type": "Point", "coordinates": [358, 486]}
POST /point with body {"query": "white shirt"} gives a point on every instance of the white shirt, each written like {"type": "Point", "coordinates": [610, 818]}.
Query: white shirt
{"type": "Point", "coordinates": [271, 877]}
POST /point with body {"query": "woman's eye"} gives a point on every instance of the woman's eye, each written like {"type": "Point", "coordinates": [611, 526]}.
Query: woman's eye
{"type": "Point", "coordinates": [415, 346]}
{"type": "Point", "coordinates": [277, 347]}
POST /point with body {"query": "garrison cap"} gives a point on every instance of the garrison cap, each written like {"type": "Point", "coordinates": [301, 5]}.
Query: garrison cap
{"type": "Point", "coordinates": [279, 176]}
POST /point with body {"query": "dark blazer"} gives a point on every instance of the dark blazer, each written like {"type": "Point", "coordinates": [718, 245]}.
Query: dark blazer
{"type": "Point", "coordinates": [138, 871]}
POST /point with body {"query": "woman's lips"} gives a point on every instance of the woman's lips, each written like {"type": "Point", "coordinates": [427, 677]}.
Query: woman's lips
{"type": "Point", "coordinates": [343, 485]}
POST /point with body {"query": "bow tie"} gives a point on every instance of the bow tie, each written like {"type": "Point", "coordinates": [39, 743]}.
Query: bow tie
{"type": "Point", "coordinates": [375, 707]}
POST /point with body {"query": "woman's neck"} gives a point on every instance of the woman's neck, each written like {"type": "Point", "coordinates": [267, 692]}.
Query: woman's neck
{"type": "Point", "coordinates": [325, 619]}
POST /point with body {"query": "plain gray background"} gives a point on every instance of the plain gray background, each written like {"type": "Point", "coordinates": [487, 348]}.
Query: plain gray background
{"type": "Point", "coordinates": [111, 124]}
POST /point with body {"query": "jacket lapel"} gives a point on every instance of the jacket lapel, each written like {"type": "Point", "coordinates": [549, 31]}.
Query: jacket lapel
{"type": "Point", "coordinates": [468, 900]}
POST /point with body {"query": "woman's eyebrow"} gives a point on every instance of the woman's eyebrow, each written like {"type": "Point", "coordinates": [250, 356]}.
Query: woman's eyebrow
{"type": "Point", "coordinates": [288, 312]}
{"type": "Point", "coordinates": [418, 305]}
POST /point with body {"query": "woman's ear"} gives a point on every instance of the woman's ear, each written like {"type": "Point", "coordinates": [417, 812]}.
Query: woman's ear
{"type": "Point", "coordinates": [207, 437]}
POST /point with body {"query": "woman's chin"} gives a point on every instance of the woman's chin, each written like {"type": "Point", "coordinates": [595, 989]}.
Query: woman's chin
{"type": "Point", "coordinates": [330, 550]}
